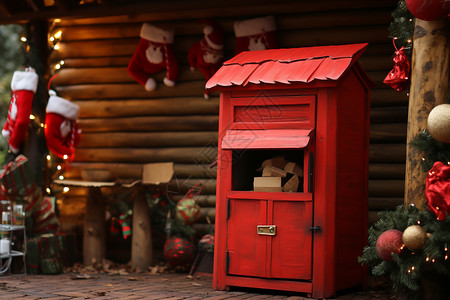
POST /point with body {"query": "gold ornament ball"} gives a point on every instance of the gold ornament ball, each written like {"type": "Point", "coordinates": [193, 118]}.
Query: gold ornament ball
{"type": "Point", "coordinates": [438, 123]}
{"type": "Point", "coordinates": [414, 237]}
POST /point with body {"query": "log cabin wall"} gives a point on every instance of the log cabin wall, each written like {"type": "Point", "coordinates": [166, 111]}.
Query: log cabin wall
{"type": "Point", "coordinates": [125, 126]}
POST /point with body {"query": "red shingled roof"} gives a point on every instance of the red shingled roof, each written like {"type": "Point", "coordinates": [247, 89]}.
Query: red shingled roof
{"type": "Point", "coordinates": [286, 66]}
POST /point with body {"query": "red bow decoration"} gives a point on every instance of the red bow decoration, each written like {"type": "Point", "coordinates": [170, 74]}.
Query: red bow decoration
{"type": "Point", "coordinates": [398, 76]}
{"type": "Point", "coordinates": [437, 190]}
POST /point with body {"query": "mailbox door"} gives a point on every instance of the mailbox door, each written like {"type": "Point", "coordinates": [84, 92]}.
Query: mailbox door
{"type": "Point", "coordinates": [270, 238]}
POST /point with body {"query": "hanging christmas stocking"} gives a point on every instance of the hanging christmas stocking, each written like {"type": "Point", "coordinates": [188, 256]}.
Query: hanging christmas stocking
{"type": "Point", "coordinates": [61, 130]}
{"type": "Point", "coordinates": [23, 87]}
{"type": "Point", "coordinates": [154, 53]}
{"type": "Point", "coordinates": [206, 55]}
{"type": "Point", "coordinates": [255, 34]}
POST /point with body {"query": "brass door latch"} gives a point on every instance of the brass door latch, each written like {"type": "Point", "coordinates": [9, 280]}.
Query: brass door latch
{"type": "Point", "coordinates": [266, 229]}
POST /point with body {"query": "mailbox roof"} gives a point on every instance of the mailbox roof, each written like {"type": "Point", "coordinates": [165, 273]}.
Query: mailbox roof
{"type": "Point", "coordinates": [287, 66]}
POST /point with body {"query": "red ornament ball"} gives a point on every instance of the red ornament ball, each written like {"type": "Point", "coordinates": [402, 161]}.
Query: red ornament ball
{"type": "Point", "coordinates": [179, 251]}
{"type": "Point", "coordinates": [427, 10]}
{"type": "Point", "coordinates": [187, 211]}
{"type": "Point", "coordinates": [389, 242]}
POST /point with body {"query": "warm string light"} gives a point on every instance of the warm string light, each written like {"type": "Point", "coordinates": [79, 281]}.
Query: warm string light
{"type": "Point", "coordinates": [65, 189]}
{"type": "Point", "coordinates": [59, 65]}
{"type": "Point", "coordinates": [54, 39]}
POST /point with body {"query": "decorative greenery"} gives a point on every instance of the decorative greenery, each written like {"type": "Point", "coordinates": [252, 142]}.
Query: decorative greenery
{"type": "Point", "coordinates": [407, 268]}
{"type": "Point", "coordinates": [432, 149]}
{"type": "Point", "coordinates": [11, 59]}
{"type": "Point", "coordinates": [402, 27]}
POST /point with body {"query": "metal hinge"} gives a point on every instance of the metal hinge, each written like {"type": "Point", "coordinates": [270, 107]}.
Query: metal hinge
{"type": "Point", "coordinates": [227, 261]}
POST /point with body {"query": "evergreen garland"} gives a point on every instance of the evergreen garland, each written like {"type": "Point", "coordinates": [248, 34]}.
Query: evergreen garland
{"type": "Point", "coordinates": [433, 150]}
{"type": "Point", "coordinates": [402, 27]}
{"type": "Point", "coordinates": [407, 268]}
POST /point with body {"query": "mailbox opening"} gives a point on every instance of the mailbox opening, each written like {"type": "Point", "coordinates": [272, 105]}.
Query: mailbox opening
{"type": "Point", "coordinates": [253, 169]}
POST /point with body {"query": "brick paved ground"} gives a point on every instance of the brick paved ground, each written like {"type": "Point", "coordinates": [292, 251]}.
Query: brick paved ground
{"type": "Point", "coordinates": [147, 286]}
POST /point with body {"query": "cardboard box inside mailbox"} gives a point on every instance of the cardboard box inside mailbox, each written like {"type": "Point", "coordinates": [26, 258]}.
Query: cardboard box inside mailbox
{"type": "Point", "coordinates": [157, 173]}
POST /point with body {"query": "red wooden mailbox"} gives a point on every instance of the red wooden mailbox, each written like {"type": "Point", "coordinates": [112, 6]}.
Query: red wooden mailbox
{"type": "Point", "coordinates": [308, 107]}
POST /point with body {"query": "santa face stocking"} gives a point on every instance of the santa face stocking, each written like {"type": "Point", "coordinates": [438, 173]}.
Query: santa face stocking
{"type": "Point", "coordinates": [61, 131]}
{"type": "Point", "coordinates": [206, 55]}
{"type": "Point", "coordinates": [23, 86]}
{"type": "Point", "coordinates": [255, 34]}
{"type": "Point", "coordinates": [154, 53]}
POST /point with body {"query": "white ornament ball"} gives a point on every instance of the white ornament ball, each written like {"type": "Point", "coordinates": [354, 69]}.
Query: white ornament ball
{"type": "Point", "coordinates": [438, 123]}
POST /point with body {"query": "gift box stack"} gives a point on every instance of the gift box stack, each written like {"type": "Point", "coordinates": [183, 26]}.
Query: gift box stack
{"type": "Point", "coordinates": [44, 255]}
{"type": "Point", "coordinates": [17, 179]}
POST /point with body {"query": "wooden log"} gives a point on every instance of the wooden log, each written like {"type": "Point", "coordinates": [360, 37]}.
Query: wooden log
{"type": "Point", "coordinates": [287, 22]}
{"type": "Point", "coordinates": [195, 171]}
{"type": "Point", "coordinates": [166, 123]}
{"type": "Point", "coordinates": [94, 228]}
{"type": "Point", "coordinates": [132, 107]}
{"type": "Point", "coordinates": [289, 39]}
{"type": "Point", "coordinates": [141, 243]}
{"type": "Point", "coordinates": [396, 114]}
{"type": "Point", "coordinates": [429, 86]}
{"type": "Point", "coordinates": [387, 98]}
{"type": "Point", "coordinates": [68, 76]}
{"type": "Point", "coordinates": [75, 206]}
{"type": "Point", "coordinates": [207, 213]}
{"type": "Point", "coordinates": [386, 188]}
{"type": "Point", "coordinates": [85, 62]}
{"type": "Point", "coordinates": [392, 132]}
{"type": "Point", "coordinates": [208, 9]}
{"type": "Point", "coordinates": [379, 203]}
{"type": "Point", "coordinates": [387, 171]}
{"type": "Point", "coordinates": [376, 62]}
{"type": "Point", "coordinates": [181, 187]}
{"type": "Point", "coordinates": [127, 90]}
{"type": "Point", "coordinates": [387, 153]}
{"type": "Point", "coordinates": [131, 155]}
{"type": "Point", "coordinates": [148, 139]}
{"type": "Point", "coordinates": [134, 170]}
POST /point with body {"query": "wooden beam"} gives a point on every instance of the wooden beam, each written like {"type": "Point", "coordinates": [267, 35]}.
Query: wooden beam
{"type": "Point", "coordinates": [142, 124]}
{"type": "Point", "coordinates": [429, 86]}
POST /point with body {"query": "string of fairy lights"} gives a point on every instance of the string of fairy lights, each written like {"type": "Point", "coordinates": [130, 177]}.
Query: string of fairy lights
{"type": "Point", "coordinates": [53, 45]}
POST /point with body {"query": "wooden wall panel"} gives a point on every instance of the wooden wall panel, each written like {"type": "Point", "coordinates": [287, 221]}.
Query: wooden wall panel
{"type": "Point", "coordinates": [125, 126]}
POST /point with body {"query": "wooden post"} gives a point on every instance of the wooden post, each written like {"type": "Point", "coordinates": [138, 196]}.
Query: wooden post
{"type": "Point", "coordinates": [94, 228]}
{"type": "Point", "coordinates": [429, 85]}
{"type": "Point", "coordinates": [141, 244]}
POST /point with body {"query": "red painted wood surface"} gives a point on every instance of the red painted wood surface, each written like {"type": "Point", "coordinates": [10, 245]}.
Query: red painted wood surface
{"type": "Point", "coordinates": [286, 66]}
{"type": "Point", "coordinates": [322, 125]}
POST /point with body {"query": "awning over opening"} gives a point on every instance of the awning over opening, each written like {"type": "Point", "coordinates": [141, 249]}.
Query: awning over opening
{"type": "Point", "coordinates": [266, 139]}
